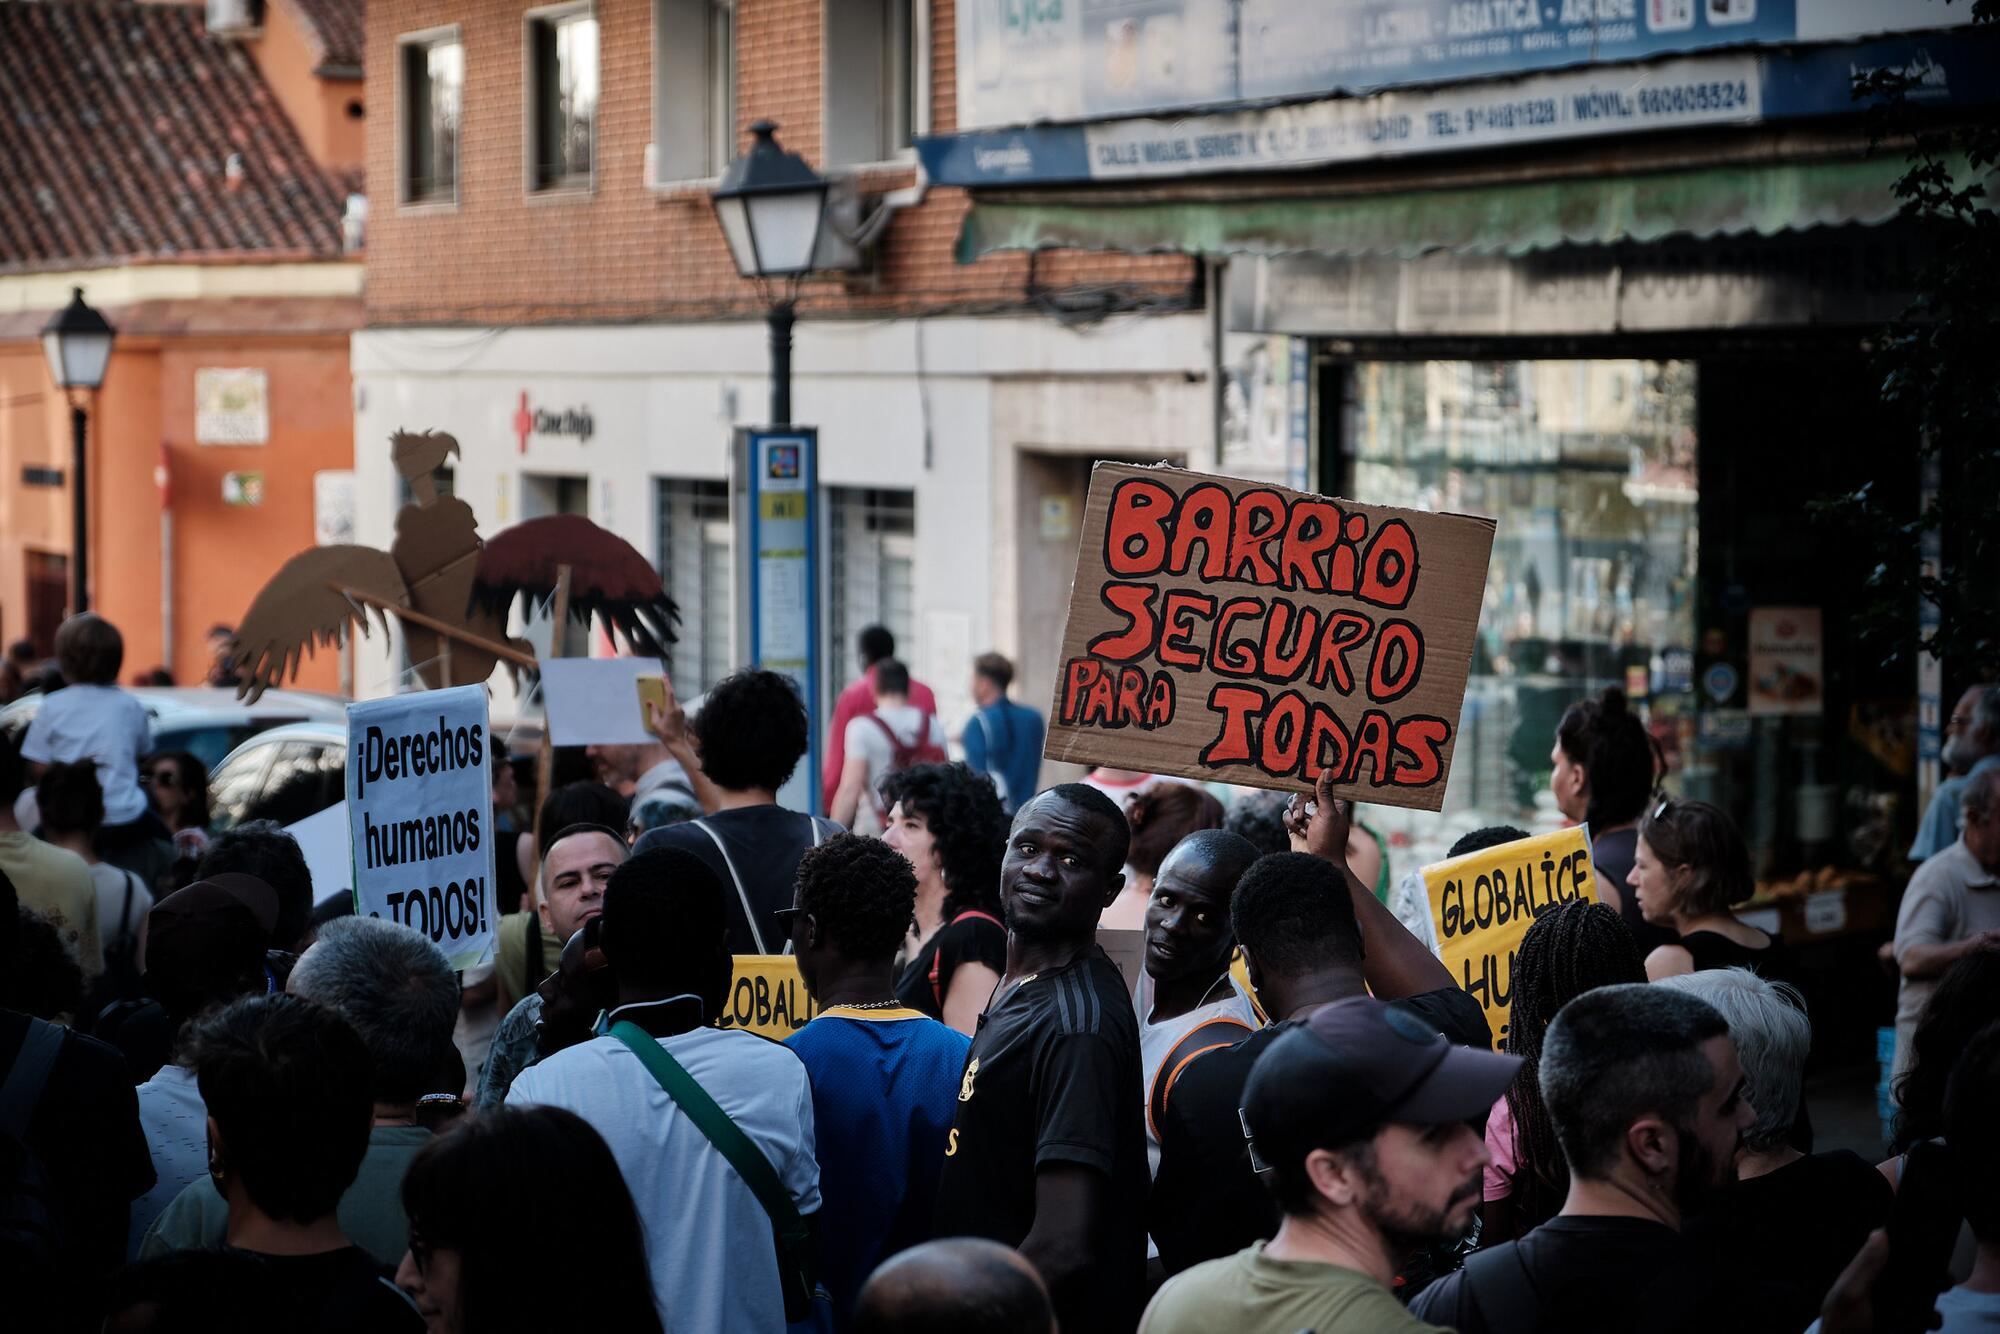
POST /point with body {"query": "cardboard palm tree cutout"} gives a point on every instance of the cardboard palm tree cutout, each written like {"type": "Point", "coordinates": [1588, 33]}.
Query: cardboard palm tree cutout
{"type": "Point", "coordinates": [451, 590]}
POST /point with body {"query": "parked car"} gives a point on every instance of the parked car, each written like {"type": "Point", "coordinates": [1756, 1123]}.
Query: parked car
{"type": "Point", "coordinates": [285, 774]}
{"type": "Point", "coordinates": [208, 721]}
{"type": "Point", "coordinates": [291, 772]}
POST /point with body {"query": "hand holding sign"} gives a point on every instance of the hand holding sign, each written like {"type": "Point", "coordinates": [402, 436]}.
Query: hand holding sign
{"type": "Point", "coordinates": [1322, 822]}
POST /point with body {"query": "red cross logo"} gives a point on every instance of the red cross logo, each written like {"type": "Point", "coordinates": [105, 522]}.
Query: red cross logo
{"type": "Point", "coordinates": [524, 422]}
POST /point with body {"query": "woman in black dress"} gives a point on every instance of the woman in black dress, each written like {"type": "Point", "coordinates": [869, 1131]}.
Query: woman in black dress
{"type": "Point", "coordinates": [1690, 868]}
{"type": "Point", "coordinates": [948, 821]}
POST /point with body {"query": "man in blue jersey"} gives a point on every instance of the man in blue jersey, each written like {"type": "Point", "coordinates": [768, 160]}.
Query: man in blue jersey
{"type": "Point", "coordinates": [885, 1078]}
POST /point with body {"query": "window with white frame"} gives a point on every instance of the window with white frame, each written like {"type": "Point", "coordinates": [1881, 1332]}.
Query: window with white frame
{"type": "Point", "coordinates": [562, 97]}
{"type": "Point", "coordinates": [692, 525]}
{"type": "Point", "coordinates": [433, 75]}
{"type": "Point", "coordinates": [694, 88]}
{"type": "Point", "coordinates": [874, 77]}
{"type": "Point", "coordinates": [871, 557]}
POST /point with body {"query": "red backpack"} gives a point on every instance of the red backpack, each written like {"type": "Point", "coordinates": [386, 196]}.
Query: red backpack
{"type": "Point", "coordinates": [901, 755]}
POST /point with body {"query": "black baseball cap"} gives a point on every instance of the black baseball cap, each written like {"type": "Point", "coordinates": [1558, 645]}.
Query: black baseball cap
{"type": "Point", "coordinates": [1360, 1064]}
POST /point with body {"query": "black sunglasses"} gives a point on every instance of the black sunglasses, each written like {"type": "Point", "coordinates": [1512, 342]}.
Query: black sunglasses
{"type": "Point", "coordinates": [787, 916]}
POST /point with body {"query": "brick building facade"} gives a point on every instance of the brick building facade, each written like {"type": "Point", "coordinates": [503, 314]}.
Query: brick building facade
{"type": "Point", "coordinates": [192, 181]}
{"type": "Point", "coordinates": [959, 405]}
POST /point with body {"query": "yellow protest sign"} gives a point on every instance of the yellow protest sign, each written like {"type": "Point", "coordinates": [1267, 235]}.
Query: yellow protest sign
{"type": "Point", "coordinates": [1483, 903]}
{"type": "Point", "coordinates": [767, 996]}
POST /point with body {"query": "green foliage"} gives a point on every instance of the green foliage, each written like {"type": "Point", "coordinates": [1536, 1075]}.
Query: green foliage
{"type": "Point", "coordinates": [1940, 367]}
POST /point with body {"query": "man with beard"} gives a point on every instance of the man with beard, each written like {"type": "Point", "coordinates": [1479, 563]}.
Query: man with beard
{"type": "Point", "coordinates": [1047, 1153]}
{"type": "Point", "coordinates": [1643, 1087]}
{"type": "Point", "coordinates": [1971, 747]}
{"type": "Point", "coordinates": [1361, 1126]}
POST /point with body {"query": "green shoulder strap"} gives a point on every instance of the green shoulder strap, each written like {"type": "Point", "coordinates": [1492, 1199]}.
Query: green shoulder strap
{"type": "Point", "coordinates": [709, 1118]}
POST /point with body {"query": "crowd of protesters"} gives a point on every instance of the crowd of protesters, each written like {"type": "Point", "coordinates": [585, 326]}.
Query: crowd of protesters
{"type": "Point", "coordinates": [226, 1107]}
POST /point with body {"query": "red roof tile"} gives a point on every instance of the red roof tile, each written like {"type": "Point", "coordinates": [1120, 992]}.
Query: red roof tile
{"type": "Point", "coordinates": [334, 26]}
{"type": "Point", "coordinates": [118, 123]}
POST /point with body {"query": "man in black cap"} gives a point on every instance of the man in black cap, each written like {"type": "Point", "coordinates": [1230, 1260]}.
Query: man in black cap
{"type": "Point", "coordinates": [1311, 934]}
{"type": "Point", "coordinates": [1361, 1125]}
{"type": "Point", "coordinates": [1048, 1151]}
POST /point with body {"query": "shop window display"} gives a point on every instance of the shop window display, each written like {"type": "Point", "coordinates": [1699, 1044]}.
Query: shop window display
{"type": "Point", "coordinates": [1590, 467]}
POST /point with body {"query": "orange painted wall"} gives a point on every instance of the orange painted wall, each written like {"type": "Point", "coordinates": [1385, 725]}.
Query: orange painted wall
{"type": "Point", "coordinates": [316, 106]}
{"type": "Point", "coordinates": [222, 554]}
{"type": "Point", "coordinates": [33, 419]}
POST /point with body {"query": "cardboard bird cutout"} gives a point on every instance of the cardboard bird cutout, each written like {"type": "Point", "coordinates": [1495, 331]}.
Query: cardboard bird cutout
{"type": "Point", "coordinates": [439, 569]}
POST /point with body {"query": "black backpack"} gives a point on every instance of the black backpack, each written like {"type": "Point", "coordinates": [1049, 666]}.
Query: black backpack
{"type": "Point", "coordinates": [31, 1231]}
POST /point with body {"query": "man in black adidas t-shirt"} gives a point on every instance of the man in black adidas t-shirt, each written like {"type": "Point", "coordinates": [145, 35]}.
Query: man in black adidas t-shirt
{"type": "Point", "coordinates": [1048, 1150]}
{"type": "Point", "coordinates": [1311, 934]}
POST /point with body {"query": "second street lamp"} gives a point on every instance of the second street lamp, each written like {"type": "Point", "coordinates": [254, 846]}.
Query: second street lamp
{"type": "Point", "coordinates": [77, 342]}
{"type": "Point", "coordinates": [771, 206]}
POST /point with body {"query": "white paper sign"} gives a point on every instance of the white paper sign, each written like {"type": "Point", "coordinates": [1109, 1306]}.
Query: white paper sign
{"type": "Point", "coordinates": [1826, 911]}
{"type": "Point", "coordinates": [232, 406]}
{"type": "Point", "coordinates": [329, 856]}
{"type": "Point", "coordinates": [420, 812]}
{"type": "Point", "coordinates": [595, 701]}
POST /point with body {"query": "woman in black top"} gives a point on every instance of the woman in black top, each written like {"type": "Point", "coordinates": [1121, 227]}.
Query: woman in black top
{"type": "Point", "coordinates": [947, 819]}
{"type": "Point", "coordinates": [1604, 768]}
{"type": "Point", "coordinates": [1691, 866]}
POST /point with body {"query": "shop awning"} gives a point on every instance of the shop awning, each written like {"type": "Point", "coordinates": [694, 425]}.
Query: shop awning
{"type": "Point", "coordinates": [1505, 219]}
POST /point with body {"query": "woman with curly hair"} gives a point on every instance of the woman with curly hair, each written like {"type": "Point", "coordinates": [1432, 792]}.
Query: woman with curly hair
{"type": "Point", "coordinates": [947, 820]}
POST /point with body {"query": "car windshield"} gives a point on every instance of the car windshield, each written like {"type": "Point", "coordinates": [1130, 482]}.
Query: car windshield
{"type": "Point", "coordinates": [212, 742]}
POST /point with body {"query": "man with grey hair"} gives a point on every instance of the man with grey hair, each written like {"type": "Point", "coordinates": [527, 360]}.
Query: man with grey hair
{"type": "Point", "coordinates": [1647, 1098]}
{"type": "Point", "coordinates": [1952, 907]}
{"type": "Point", "coordinates": [399, 992]}
{"type": "Point", "coordinates": [1792, 1221]}
{"type": "Point", "coordinates": [1971, 747]}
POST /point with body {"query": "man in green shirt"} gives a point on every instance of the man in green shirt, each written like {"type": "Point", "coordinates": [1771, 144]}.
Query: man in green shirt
{"type": "Point", "coordinates": [1361, 1123]}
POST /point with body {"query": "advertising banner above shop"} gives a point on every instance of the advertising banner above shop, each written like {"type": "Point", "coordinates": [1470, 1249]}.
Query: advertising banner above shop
{"type": "Point", "coordinates": [1026, 61]}
{"type": "Point", "coordinates": [1728, 88]}
{"type": "Point", "coordinates": [1225, 630]}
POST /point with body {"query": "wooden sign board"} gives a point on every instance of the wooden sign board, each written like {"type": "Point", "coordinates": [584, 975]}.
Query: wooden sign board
{"type": "Point", "coordinates": [1232, 631]}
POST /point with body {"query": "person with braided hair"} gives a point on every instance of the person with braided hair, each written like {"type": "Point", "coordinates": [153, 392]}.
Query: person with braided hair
{"type": "Point", "coordinates": [1605, 768]}
{"type": "Point", "coordinates": [1573, 948]}
{"type": "Point", "coordinates": [947, 822]}
{"type": "Point", "coordinates": [885, 1077]}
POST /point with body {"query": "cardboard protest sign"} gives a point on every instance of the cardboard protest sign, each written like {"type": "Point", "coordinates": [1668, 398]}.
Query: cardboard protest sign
{"type": "Point", "coordinates": [420, 813]}
{"type": "Point", "coordinates": [768, 997]}
{"type": "Point", "coordinates": [1228, 630]}
{"type": "Point", "coordinates": [1483, 903]}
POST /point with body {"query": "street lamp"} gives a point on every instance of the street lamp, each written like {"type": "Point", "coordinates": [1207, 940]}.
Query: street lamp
{"type": "Point", "coordinates": [78, 344]}
{"type": "Point", "coordinates": [771, 205]}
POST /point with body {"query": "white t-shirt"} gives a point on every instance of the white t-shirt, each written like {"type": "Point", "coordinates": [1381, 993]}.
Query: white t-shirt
{"type": "Point", "coordinates": [98, 723]}
{"type": "Point", "coordinates": [864, 738]}
{"type": "Point", "coordinates": [708, 1240]}
{"type": "Point", "coordinates": [1157, 1041]}
{"type": "Point", "coordinates": [175, 1122]}
{"type": "Point", "coordinates": [118, 924]}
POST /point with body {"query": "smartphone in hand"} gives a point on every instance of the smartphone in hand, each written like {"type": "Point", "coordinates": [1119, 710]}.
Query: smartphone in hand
{"type": "Point", "coordinates": [652, 690]}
